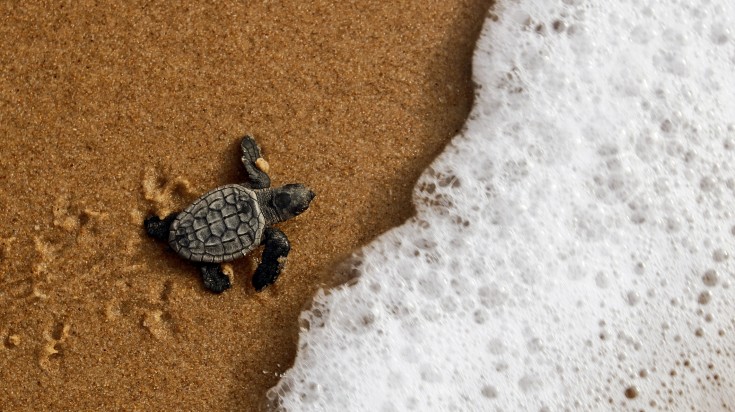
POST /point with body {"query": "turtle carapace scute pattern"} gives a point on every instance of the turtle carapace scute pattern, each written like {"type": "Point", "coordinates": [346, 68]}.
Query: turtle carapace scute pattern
{"type": "Point", "coordinates": [230, 221]}
{"type": "Point", "coordinates": [223, 225]}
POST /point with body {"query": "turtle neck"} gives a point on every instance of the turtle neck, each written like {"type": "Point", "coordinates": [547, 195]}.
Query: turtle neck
{"type": "Point", "coordinates": [265, 201]}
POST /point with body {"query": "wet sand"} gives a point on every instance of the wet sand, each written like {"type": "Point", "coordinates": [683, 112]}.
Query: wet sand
{"type": "Point", "coordinates": [110, 112]}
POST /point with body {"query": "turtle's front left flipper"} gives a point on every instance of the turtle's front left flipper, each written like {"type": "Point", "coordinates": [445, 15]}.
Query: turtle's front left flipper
{"type": "Point", "coordinates": [274, 258]}
{"type": "Point", "coordinates": [255, 166]}
{"type": "Point", "coordinates": [214, 279]}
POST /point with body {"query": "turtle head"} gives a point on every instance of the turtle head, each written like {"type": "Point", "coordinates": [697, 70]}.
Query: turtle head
{"type": "Point", "coordinates": [291, 200]}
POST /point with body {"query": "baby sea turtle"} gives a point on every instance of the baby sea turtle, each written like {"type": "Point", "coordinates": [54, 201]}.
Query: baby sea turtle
{"type": "Point", "coordinates": [230, 221]}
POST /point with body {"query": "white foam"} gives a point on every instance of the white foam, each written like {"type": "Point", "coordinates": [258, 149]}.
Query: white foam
{"type": "Point", "coordinates": [572, 247]}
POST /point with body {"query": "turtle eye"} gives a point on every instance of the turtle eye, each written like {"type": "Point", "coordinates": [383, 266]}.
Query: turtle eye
{"type": "Point", "coordinates": [282, 200]}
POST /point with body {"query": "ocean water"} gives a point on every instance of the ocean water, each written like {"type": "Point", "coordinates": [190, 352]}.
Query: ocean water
{"type": "Point", "coordinates": [573, 247]}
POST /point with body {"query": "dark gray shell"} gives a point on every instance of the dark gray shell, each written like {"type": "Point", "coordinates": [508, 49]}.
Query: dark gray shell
{"type": "Point", "coordinates": [223, 225]}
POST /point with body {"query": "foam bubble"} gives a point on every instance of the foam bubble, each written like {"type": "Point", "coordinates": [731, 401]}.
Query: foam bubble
{"type": "Point", "coordinates": [571, 246]}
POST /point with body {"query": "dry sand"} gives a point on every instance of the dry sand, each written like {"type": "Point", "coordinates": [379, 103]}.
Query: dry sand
{"type": "Point", "coordinates": [109, 112]}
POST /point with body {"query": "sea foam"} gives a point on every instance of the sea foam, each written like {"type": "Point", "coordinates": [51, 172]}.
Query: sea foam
{"type": "Point", "coordinates": [572, 246]}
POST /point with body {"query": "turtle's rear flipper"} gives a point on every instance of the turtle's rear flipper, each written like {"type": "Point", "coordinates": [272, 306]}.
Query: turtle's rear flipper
{"type": "Point", "coordinates": [274, 258]}
{"type": "Point", "coordinates": [157, 228]}
{"type": "Point", "coordinates": [214, 279]}
{"type": "Point", "coordinates": [250, 154]}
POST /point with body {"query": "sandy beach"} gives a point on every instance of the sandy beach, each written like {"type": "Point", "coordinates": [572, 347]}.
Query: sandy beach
{"type": "Point", "coordinates": [111, 112]}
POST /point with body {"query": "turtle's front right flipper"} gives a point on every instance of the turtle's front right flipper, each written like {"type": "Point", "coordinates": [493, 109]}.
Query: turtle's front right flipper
{"type": "Point", "coordinates": [255, 165]}
{"type": "Point", "coordinates": [274, 258]}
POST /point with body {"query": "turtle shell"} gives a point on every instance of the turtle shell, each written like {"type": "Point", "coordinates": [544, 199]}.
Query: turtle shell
{"type": "Point", "coordinates": [223, 225]}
